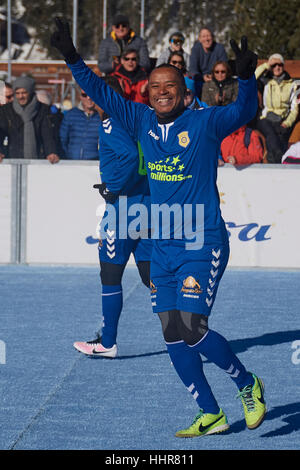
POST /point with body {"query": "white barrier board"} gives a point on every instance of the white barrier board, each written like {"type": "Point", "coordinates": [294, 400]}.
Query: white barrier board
{"type": "Point", "coordinates": [5, 213]}
{"type": "Point", "coordinates": [61, 214]}
{"type": "Point", "coordinates": [261, 208]}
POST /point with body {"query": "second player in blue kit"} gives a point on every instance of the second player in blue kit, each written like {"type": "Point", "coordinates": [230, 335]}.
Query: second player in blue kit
{"type": "Point", "coordinates": [123, 175]}
{"type": "Point", "coordinates": [190, 249]}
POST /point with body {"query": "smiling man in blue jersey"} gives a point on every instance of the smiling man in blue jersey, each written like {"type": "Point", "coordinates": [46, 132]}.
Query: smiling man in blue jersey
{"type": "Point", "coordinates": [181, 148]}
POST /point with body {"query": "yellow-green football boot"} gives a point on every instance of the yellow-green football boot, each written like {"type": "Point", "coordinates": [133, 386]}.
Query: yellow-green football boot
{"type": "Point", "coordinates": [252, 397]}
{"type": "Point", "coordinates": [204, 424]}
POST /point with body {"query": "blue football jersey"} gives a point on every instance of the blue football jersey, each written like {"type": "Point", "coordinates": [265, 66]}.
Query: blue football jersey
{"type": "Point", "coordinates": [181, 157]}
{"type": "Point", "coordinates": [122, 165]}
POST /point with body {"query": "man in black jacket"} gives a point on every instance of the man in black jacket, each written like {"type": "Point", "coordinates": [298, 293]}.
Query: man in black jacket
{"type": "Point", "coordinates": [26, 123]}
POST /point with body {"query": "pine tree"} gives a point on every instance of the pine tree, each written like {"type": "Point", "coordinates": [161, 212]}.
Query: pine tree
{"type": "Point", "coordinates": [268, 24]}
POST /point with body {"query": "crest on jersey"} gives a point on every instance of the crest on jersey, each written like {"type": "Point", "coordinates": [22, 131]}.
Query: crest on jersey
{"type": "Point", "coordinates": [183, 138]}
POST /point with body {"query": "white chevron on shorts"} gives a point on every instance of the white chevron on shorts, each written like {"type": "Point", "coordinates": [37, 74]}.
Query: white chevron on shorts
{"type": "Point", "coordinates": [110, 233]}
{"type": "Point", "coordinates": [216, 254]}
{"type": "Point", "coordinates": [215, 263]}
{"type": "Point", "coordinates": [214, 273]}
{"type": "Point", "coordinates": [210, 292]}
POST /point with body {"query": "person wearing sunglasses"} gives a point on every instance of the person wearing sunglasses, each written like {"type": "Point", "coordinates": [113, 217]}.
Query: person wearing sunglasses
{"type": "Point", "coordinates": [120, 38]}
{"type": "Point", "coordinates": [132, 77]}
{"type": "Point", "coordinates": [222, 89]}
{"type": "Point", "coordinates": [79, 130]}
{"type": "Point", "coordinates": [176, 41]}
{"type": "Point", "coordinates": [279, 108]}
{"type": "Point", "coordinates": [177, 60]}
{"type": "Point", "coordinates": [6, 93]}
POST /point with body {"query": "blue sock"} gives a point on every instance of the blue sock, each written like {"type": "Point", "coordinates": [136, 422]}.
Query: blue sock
{"type": "Point", "coordinates": [112, 303]}
{"type": "Point", "coordinates": [188, 365]}
{"type": "Point", "coordinates": [217, 349]}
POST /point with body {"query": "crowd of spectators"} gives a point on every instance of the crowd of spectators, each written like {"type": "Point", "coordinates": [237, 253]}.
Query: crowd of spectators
{"type": "Point", "coordinates": [31, 126]}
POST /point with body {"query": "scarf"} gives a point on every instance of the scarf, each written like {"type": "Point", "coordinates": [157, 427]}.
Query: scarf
{"type": "Point", "coordinates": [27, 114]}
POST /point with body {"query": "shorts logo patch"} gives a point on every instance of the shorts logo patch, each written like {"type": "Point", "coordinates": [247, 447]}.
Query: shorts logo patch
{"type": "Point", "coordinates": [153, 288]}
{"type": "Point", "coordinates": [153, 293]}
{"type": "Point", "coordinates": [183, 138]}
{"type": "Point", "coordinates": [191, 287]}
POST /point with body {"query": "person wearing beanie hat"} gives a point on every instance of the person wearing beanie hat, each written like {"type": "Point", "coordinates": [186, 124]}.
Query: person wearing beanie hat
{"type": "Point", "coordinates": [176, 41]}
{"type": "Point", "coordinates": [24, 82]}
{"type": "Point", "coordinates": [121, 38]}
{"type": "Point", "coordinates": [279, 107]}
{"type": "Point", "coordinates": [25, 122]}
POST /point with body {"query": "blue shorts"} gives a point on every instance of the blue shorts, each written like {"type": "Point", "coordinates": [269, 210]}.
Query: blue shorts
{"type": "Point", "coordinates": [183, 279]}
{"type": "Point", "coordinates": [114, 251]}
{"type": "Point", "coordinates": [113, 247]}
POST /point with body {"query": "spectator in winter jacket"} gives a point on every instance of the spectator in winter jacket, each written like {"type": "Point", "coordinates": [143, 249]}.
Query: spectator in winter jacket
{"type": "Point", "coordinates": [280, 108]}
{"type": "Point", "coordinates": [132, 77]}
{"type": "Point", "coordinates": [242, 147]}
{"type": "Point", "coordinates": [222, 89]}
{"type": "Point", "coordinates": [6, 93]}
{"type": "Point", "coordinates": [121, 37]}
{"type": "Point", "coordinates": [176, 41]}
{"type": "Point", "coordinates": [192, 101]}
{"type": "Point", "coordinates": [205, 53]}
{"type": "Point", "coordinates": [55, 117]}
{"type": "Point", "coordinates": [25, 121]}
{"type": "Point", "coordinates": [79, 130]}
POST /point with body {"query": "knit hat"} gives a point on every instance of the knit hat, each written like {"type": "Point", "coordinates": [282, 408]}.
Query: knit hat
{"type": "Point", "coordinates": [190, 84]}
{"type": "Point", "coordinates": [120, 19]}
{"type": "Point", "coordinates": [277, 57]}
{"type": "Point", "coordinates": [24, 82]}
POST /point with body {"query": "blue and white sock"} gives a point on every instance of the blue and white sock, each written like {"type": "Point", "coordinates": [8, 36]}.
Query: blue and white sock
{"type": "Point", "coordinates": [112, 303]}
{"type": "Point", "coordinates": [217, 349]}
{"type": "Point", "coordinates": [188, 365]}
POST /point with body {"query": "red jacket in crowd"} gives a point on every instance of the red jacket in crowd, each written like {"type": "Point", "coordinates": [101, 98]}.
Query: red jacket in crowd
{"type": "Point", "coordinates": [133, 84]}
{"type": "Point", "coordinates": [244, 146]}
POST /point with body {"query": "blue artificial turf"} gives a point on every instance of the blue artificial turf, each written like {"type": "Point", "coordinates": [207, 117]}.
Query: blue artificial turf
{"type": "Point", "coordinates": [53, 397]}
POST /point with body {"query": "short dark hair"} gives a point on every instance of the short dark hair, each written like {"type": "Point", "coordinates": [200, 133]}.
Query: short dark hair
{"type": "Point", "coordinates": [178, 71]}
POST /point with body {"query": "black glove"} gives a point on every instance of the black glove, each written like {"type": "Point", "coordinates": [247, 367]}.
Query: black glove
{"type": "Point", "coordinates": [62, 40]}
{"type": "Point", "coordinates": [107, 195]}
{"type": "Point", "coordinates": [246, 60]}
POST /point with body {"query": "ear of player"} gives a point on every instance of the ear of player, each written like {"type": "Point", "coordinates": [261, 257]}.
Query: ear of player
{"type": "Point", "coordinates": [246, 60]}
{"type": "Point", "coordinates": [61, 39]}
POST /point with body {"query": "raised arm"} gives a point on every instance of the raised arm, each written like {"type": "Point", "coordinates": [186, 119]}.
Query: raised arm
{"type": "Point", "coordinates": [126, 112]}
